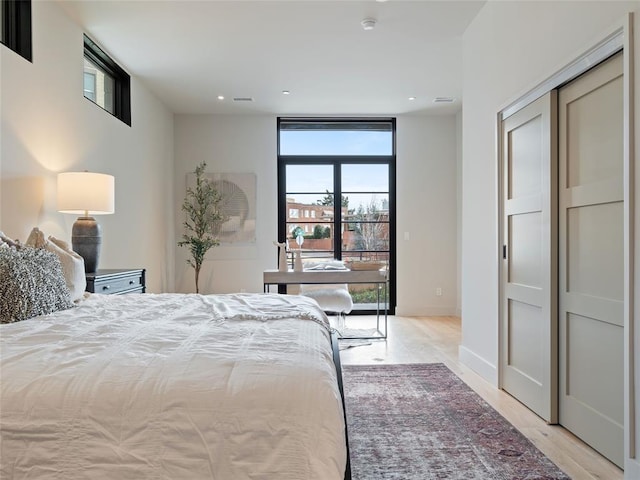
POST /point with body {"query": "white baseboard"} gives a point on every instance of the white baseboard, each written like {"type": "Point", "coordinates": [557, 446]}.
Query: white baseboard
{"type": "Point", "coordinates": [478, 364]}
{"type": "Point", "coordinates": [631, 469]}
{"type": "Point", "coordinates": [425, 311]}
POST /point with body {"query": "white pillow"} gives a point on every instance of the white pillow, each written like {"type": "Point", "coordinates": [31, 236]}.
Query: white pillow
{"type": "Point", "coordinates": [72, 266]}
{"type": "Point", "coordinates": [9, 242]}
{"type": "Point", "coordinates": [330, 299]}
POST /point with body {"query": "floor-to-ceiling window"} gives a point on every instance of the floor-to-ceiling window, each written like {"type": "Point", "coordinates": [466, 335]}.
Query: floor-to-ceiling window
{"type": "Point", "coordinates": [336, 186]}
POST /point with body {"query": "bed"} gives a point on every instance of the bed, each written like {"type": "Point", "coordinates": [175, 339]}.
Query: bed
{"type": "Point", "coordinates": [172, 386]}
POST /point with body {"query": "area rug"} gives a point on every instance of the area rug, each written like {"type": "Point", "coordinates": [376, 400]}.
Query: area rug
{"type": "Point", "coordinates": [420, 422]}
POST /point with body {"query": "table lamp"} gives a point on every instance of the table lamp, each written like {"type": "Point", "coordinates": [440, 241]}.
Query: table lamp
{"type": "Point", "coordinates": [86, 193]}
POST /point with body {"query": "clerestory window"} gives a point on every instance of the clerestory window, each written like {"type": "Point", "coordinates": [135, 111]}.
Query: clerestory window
{"type": "Point", "coordinates": [15, 23]}
{"type": "Point", "coordinates": [105, 83]}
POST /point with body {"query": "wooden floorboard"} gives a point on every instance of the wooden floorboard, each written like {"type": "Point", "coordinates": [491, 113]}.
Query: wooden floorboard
{"type": "Point", "coordinates": [436, 339]}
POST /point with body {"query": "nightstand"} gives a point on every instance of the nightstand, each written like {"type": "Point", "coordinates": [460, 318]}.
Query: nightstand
{"type": "Point", "coordinates": [116, 281]}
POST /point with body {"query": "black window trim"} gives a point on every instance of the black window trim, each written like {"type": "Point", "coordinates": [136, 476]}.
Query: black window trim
{"type": "Point", "coordinates": [337, 161]}
{"type": "Point", "coordinates": [122, 80]}
{"type": "Point", "coordinates": [16, 27]}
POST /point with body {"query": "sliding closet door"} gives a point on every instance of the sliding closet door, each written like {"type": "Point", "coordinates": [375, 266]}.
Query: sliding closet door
{"type": "Point", "coordinates": [592, 258]}
{"type": "Point", "coordinates": [529, 277]}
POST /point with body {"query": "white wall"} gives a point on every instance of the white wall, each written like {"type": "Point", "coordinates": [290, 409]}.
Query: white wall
{"type": "Point", "coordinates": [426, 191]}
{"type": "Point", "coordinates": [509, 48]}
{"type": "Point", "coordinates": [229, 144]}
{"type": "Point", "coordinates": [49, 127]}
{"type": "Point", "coordinates": [426, 198]}
{"type": "Point", "coordinates": [459, 213]}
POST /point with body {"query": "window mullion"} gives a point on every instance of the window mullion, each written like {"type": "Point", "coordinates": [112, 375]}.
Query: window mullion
{"type": "Point", "coordinates": [337, 206]}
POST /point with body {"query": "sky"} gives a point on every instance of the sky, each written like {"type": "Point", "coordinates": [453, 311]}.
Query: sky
{"type": "Point", "coordinates": [335, 142]}
{"type": "Point", "coordinates": [319, 178]}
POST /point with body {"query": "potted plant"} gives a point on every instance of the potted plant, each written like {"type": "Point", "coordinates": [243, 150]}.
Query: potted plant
{"type": "Point", "coordinates": [202, 208]}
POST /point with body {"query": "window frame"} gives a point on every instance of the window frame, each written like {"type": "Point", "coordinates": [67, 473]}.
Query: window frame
{"type": "Point", "coordinates": [121, 80]}
{"type": "Point", "coordinates": [16, 27]}
{"type": "Point", "coordinates": [336, 161]}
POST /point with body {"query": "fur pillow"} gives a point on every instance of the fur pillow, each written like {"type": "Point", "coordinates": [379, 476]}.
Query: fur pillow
{"type": "Point", "coordinates": [336, 300]}
{"type": "Point", "coordinates": [31, 283]}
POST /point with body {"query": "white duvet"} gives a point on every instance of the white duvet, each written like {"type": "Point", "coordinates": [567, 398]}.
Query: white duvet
{"type": "Point", "coordinates": [172, 386]}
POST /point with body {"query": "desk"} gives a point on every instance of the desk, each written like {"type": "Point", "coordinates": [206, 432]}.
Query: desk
{"type": "Point", "coordinates": [319, 277]}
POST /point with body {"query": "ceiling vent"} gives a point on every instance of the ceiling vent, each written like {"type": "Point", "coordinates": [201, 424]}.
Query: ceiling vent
{"type": "Point", "coordinates": [443, 100]}
{"type": "Point", "coordinates": [242, 99]}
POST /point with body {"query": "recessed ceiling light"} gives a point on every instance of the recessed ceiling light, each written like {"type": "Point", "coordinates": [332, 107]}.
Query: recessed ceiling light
{"type": "Point", "coordinates": [368, 23]}
{"type": "Point", "coordinates": [220, 97]}
{"type": "Point", "coordinates": [286, 92]}
{"type": "Point", "coordinates": [412, 98]}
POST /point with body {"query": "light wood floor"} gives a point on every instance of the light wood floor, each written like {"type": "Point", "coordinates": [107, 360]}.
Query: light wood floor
{"type": "Point", "coordinates": [436, 339]}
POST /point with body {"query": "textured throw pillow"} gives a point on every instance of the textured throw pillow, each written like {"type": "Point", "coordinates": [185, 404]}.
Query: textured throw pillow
{"type": "Point", "coordinates": [31, 283]}
{"type": "Point", "coordinates": [72, 266]}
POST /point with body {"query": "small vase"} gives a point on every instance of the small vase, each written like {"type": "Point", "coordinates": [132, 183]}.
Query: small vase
{"type": "Point", "coordinates": [297, 264]}
{"type": "Point", "coordinates": [282, 259]}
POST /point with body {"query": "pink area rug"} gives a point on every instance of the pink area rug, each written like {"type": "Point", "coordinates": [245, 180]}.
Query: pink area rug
{"type": "Point", "coordinates": [420, 422]}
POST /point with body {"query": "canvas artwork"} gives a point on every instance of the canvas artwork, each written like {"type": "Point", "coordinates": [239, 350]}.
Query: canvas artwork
{"type": "Point", "coordinates": [238, 206]}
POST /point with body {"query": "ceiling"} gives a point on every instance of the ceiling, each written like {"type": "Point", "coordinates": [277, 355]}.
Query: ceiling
{"type": "Point", "coordinates": [190, 52]}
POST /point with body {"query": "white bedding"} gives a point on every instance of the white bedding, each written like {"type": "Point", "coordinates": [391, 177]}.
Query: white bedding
{"type": "Point", "coordinates": [172, 386]}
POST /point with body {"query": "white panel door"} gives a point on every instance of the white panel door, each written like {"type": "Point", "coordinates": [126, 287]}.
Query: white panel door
{"type": "Point", "coordinates": [591, 261]}
{"type": "Point", "coordinates": [528, 350]}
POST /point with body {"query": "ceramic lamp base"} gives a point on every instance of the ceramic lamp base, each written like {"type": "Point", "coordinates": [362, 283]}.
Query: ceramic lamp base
{"type": "Point", "coordinates": [86, 239]}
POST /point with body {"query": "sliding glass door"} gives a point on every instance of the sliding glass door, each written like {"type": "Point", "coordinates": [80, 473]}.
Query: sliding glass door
{"type": "Point", "coordinates": [336, 194]}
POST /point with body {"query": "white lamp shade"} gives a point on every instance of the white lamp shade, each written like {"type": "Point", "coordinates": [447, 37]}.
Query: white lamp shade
{"type": "Point", "coordinates": [86, 192]}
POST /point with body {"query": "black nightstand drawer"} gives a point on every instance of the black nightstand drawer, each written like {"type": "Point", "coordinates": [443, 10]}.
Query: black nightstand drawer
{"type": "Point", "coordinates": [116, 282]}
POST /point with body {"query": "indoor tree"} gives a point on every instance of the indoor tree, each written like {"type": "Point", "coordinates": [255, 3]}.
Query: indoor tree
{"type": "Point", "coordinates": [202, 208]}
